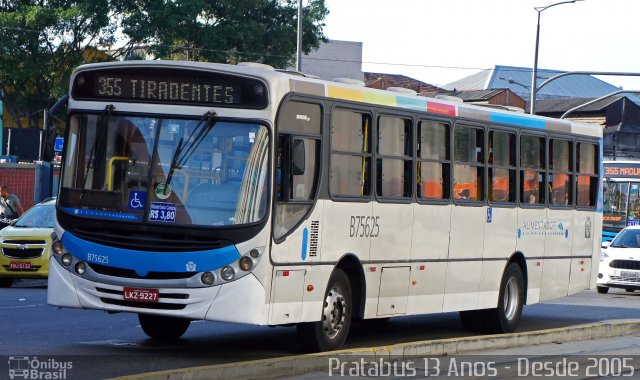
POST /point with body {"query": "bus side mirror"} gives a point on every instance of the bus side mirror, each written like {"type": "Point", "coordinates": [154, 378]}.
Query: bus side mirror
{"type": "Point", "coordinates": [49, 144]}
{"type": "Point", "coordinates": [50, 132]}
{"type": "Point", "coordinates": [297, 157]}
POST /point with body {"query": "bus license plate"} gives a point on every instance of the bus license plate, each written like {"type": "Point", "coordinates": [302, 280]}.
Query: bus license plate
{"type": "Point", "coordinates": [20, 265]}
{"type": "Point", "coordinates": [141, 295]}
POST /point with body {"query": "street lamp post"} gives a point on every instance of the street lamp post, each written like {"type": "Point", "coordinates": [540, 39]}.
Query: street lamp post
{"type": "Point", "coordinates": [535, 57]}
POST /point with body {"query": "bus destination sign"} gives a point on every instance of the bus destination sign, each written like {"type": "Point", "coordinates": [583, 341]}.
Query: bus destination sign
{"type": "Point", "coordinates": [622, 169]}
{"type": "Point", "coordinates": [170, 86]}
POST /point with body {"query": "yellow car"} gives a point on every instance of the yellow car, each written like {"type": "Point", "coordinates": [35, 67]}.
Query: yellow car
{"type": "Point", "coordinates": [25, 244]}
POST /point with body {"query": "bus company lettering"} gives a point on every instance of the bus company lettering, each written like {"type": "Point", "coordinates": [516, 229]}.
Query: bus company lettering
{"type": "Point", "coordinates": [543, 227]}
{"type": "Point", "coordinates": [188, 91]}
{"type": "Point", "coordinates": [364, 226]}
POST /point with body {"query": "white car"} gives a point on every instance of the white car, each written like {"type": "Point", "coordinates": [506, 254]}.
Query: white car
{"type": "Point", "coordinates": [620, 262]}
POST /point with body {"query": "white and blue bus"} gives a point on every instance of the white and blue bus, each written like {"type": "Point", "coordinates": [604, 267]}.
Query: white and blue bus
{"type": "Point", "coordinates": [621, 192]}
{"type": "Point", "coordinates": [197, 191]}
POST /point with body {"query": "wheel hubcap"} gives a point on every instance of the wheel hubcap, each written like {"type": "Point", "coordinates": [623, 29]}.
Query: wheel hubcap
{"type": "Point", "coordinates": [511, 298]}
{"type": "Point", "coordinates": [333, 314]}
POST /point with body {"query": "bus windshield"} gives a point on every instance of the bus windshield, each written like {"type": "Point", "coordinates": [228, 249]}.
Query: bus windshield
{"type": "Point", "coordinates": [159, 170]}
{"type": "Point", "coordinates": [621, 204]}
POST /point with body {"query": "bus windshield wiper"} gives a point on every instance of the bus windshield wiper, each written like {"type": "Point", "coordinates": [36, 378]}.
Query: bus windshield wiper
{"type": "Point", "coordinates": [97, 144]}
{"type": "Point", "coordinates": [185, 149]}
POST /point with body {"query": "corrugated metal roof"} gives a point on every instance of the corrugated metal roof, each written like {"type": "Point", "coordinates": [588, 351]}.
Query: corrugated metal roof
{"type": "Point", "coordinates": [563, 105]}
{"type": "Point", "coordinates": [518, 80]}
{"type": "Point", "coordinates": [478, 95]}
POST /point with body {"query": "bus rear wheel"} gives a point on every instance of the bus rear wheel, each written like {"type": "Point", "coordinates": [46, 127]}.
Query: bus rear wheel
{"type": "Point", "coordinates": [331, 331]}
{"type": "Point", "coordinates": [163, 328]}
{"type": "Point", "coordinates": [505, 318]}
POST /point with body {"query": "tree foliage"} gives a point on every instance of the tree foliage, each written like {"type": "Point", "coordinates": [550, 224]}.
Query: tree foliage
{"type": "Point", "coordinates": [42, 41]}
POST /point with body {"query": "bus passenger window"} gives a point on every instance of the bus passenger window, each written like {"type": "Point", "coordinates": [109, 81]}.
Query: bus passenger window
{"type": "Point", "coordinates": [502, 162]}
{"type": "Point", "coordinates": [587, 176]}
{"type": "Point", "coordinates": [468, 152]}
{"type": "Point", "coordinates": [394, 158]}
{"type": "Point", "coordinates": [350, 154]}
{"type": "Point", "coordinates": [532, 170]}
{"type": "Point", "coordinates": [433, 160]}
{"type": "Point", "coordinates": [560, 184]}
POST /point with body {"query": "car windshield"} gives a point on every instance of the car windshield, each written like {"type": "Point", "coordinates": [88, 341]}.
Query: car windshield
{"type": "Point", "coordinates": [172, 171]}
{"type": "Point", "coordinates": [39, 216]}
{"type": "Point", "coordinates": [628, 238]}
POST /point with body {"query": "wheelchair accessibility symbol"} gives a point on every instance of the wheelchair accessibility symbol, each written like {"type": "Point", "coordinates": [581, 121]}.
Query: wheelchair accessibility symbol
{"type": "Point", "coordinates": [137, 200]}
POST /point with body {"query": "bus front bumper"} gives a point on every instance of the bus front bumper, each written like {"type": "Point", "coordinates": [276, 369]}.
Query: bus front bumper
{"type": "Point", "coordinates": [242, 301]}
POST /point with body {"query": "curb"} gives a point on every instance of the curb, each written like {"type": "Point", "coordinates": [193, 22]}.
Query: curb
{"type": "Point", "coordinates": [301, 364]}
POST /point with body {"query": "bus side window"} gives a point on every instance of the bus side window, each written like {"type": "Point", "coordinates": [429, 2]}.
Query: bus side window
{"type": "Point", "coordinates": [560, 172]}
{"type": "Point", "coordinates": [350, 154]}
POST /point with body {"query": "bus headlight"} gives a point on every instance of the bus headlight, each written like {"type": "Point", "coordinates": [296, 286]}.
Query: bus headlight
{"type": "Point", "coordinates": [66, 259]}
{"type": "Point", "coordinates": [245, 263]}
{"type": "Point", "coordinates": [57, 248]}
{"type": "Point", "coordinates": [254, 253]}
{"type": "Point", "coordinates": [81, 268]}
{"type": "Point", "coordinates": [227, 273]}
{"type": "Point", "coordinates": [207, 278]}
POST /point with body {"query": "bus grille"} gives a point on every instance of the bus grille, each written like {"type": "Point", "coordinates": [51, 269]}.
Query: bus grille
{"type": "Point", "coordinates": [129, 273]}
{"type": "Point", "coordinates": [144, 305]}
{"type": "Point", "coordinates": [625, 264]}
{"type": "Point", "coordinates": [147, 241]}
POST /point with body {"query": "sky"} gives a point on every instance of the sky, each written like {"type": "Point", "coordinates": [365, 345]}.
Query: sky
{"type": "Point", "coordinates": [440, 41]}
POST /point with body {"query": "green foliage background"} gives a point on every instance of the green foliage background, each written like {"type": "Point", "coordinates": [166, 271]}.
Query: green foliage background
{"type": "Point", "coordinates": [41, 42]}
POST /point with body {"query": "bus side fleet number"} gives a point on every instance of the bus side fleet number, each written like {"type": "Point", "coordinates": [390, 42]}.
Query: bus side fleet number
{"type": "Point", "coordinates": [364, 226]}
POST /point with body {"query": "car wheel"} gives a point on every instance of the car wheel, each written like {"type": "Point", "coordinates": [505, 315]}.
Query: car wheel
{"type": "Point", "coordinates": [6, 282]}
{"type": "Point", "coordinates": [505, 318]}
{"type": "Point", "coordinates": [331, 331]}
{"type": "Point", "coordinates": [163, 328]}
{"type": "Point", "coordinates": [603, 289]}
{"type": "Point", "coordinates": [629, 290]}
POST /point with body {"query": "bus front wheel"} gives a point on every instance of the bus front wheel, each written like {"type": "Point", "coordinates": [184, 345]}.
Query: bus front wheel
{"type": "Point", "coordinates": [163, 328]}
{"type": "Point", "coordinates": [331, 331]}
{"type": "Point", "coordinates": [6, 282]}
{"type": "Point", "coordinates": [505, 318]}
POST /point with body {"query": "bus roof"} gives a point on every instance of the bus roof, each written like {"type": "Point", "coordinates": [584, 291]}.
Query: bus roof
{"type": "Point", "coordinates": [350, 92]}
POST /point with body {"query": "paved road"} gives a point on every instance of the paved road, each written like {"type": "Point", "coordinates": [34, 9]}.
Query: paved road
{"type": "Point", "coordinates": [103, 344]}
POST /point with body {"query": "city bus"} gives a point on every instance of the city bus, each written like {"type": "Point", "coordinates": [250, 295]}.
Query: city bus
{"type": "Point", "coordinates": [621, 193]}
{"type": "Point", "coordinates": [239, 193]}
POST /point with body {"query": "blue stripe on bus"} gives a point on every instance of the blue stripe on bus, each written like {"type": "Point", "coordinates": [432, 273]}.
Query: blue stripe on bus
{"type": "Point", "coordinates": [143, 262]}
{"type": "Point", "coordinates": [305, 242]}
{"type": "Point", "coordinates": [521, 121]}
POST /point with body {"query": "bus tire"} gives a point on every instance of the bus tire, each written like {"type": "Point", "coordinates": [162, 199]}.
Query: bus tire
{"type": "Point", "coordinates": [6, 282]}
{"type": "Point", "coordinates": [505, 318]}
{"type": "Point", "coordinates": [331, 331]}
{"type": "Point", "coordinates": [603, 289]}
{"type": "Point", "coordinates": [163, 328]}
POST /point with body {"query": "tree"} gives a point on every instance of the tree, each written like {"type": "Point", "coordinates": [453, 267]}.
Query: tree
{"type": "Point", "coordinates": [42, 41]}
{"type": "Point", "coordinates": [227, 31]}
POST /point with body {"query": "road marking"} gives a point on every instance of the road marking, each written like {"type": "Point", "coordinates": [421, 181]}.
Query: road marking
{"type": "Point", "coordinates": [20, 306]}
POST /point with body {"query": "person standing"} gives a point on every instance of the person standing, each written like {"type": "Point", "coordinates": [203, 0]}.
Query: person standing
{"type": "Point", "coordinates": [10, 205]}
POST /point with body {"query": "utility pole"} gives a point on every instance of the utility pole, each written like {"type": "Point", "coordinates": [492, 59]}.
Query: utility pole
{"type": "Point", "coordinates": [299, 55]}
